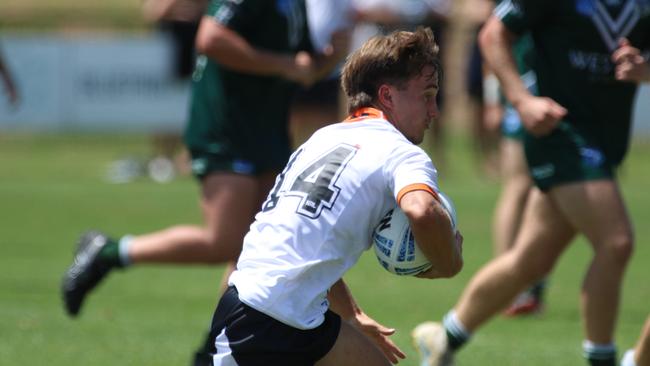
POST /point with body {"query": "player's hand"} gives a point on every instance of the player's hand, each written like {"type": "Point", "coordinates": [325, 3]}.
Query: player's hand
{"type": "Point", "coordinates": [340, 42]}
{"type": "Point", "coordinates": [379, 334]}
{"type": "Point", "coordinates": [301, 69]}
{"type": "Point", "coordinates": [630, 65]}
{"type": "Point", "coordinates": [432, 273]}
{"type": "Point", "coordinates": [540, 115]}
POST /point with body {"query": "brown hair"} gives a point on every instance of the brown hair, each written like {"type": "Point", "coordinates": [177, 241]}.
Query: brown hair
{"type": "Point", "coordinates": [391, 59]}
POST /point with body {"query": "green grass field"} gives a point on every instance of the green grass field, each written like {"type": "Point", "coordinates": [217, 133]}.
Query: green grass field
{"type": "Point", "coordinates": [53, 187]}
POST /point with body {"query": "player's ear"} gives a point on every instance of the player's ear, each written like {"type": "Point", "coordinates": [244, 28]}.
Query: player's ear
{"type": "Point", "coordinates": [385, 95]}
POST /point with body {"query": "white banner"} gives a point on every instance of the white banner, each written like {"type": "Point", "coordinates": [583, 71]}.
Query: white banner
{"type": "Point", "coordinates": [93, 83]}
{"type": "Point", "coordinates": [115, 83]}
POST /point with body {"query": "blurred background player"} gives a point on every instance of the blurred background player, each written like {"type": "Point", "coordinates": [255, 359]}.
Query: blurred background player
{"type": "Point", "coordinates": [516, 181]}
{"type": "Point", "coordinates": [577, 134]}
{"type": "Point", "coordinates": [177, 21]}
{"type": "Point", "coordinates": [485, 136]}
{"type": "Point", "coordinates": [8, 82]}
{"type": "Point", "coordinates": [253, 53]}
{"type": "Point", "coordinates": [640, 354]}
{"type": "Point", "coordinates": [320, 103]}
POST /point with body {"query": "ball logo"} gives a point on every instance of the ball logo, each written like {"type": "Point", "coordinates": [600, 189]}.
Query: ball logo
{"type": "Point", "coordinates": [395, 246]}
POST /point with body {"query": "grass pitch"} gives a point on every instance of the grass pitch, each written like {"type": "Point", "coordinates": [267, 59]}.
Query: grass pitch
{"type": "Point", "coordinates": [53, 187]}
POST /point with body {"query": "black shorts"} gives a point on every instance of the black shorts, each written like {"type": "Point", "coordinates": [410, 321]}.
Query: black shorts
{"type": "Point", "coordinates": [243, 336]}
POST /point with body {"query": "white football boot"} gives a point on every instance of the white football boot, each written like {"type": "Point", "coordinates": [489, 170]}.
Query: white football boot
{"type": "Point", "coordinates": [430, 339]}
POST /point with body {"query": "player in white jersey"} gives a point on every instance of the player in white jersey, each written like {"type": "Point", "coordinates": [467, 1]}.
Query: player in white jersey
{"type": "Point", "coordinates": [287, 297]}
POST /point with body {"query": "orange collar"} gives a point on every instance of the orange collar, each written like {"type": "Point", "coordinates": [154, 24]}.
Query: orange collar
{"type": "Point", "coordinates": [365, 113]}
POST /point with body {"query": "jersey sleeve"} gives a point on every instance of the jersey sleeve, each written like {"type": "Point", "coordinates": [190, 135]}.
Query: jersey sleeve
{"type": "Point", "coordinates": [520, 16]}
{"type": "Point", "coordinates": [408, 169]}
{"type": "Point", "coordinates": [237, 15]}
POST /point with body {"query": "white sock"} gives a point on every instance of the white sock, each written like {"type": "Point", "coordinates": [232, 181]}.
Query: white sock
{"type": "Point", "coordinates": [123, 248]}
{"type": "Point", "coordinates": [597, 351]}
{"type": "Point", "coordinates": [454, 326]}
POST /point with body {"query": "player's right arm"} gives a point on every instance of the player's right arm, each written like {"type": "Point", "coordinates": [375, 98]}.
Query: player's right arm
{"type": "Point", "coordinates": [539, 115]}
{"type": "Point", "coordinates": [433, 231]}
{"type": "Point", "coordinates": [230, 49]}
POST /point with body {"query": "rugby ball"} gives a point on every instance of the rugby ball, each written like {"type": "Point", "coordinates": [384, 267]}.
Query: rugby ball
{"type": "Point", "coordinates": [448, 204]}
{"type": "Point", "coordinates": [395, 246]}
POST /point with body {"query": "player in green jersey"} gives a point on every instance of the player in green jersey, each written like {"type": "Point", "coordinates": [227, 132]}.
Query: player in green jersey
{"type": "Point", "coordinates": [589, 60]}
{"type": "Point", "coordinates": [253, 54]}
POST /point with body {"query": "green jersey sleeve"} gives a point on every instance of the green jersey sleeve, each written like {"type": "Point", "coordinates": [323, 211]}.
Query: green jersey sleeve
{"type": "Point", "coordinates": [238, 15]}
{"type": "Point", "coordinates": [520, 16]}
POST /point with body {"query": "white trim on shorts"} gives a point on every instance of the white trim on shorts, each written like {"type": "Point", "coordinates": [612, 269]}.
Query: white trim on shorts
{"type": "Point", "coordinates": [223, 357]}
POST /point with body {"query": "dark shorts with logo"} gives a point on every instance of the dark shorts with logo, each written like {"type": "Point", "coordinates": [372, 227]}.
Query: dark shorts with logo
{"type": "Point", "coordinates": [251, 156]}
{"type": "Point", "coordinates": [567, 156]}
{"type": "Point", "coordinates": [244, 336]}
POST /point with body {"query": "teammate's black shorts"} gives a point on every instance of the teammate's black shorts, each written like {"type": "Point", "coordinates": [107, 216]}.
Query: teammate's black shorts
{"type": "Point", "coordinates": [243, 336]}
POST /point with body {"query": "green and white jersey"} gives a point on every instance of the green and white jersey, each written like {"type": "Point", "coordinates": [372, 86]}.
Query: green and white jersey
{"type": "Point", "coordinates": [236, 114]}
{"type": "Point", "coordinates": [574, 41]}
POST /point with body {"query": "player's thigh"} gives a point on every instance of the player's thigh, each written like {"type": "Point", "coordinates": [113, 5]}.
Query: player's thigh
{"type": "Point", "coordinates": [513, 160]}
{"type": "Point", "coordinates": [229, 203]}
{"type": "Point", "coordinates": [596, 209]}
{"type": "Point", "coordinates": [544, 233]}
{"type": "Point", "coordinates": [352, 348]}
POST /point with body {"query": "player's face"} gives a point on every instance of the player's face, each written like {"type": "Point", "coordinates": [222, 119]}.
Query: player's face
{"type": "Point", "coordinates": [415, 106]}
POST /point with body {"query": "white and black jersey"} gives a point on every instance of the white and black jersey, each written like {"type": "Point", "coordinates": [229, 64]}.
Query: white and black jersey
{"type": "Point", "coordinates": [319, 217]}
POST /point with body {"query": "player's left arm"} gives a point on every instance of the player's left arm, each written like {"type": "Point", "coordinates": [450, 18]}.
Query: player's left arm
{"type": "Point", "coordinates": [342, 303]}
{"type": "Point", "coordinates": [433, 230]}
{"type": "Point", "coordinates": [631, 65]}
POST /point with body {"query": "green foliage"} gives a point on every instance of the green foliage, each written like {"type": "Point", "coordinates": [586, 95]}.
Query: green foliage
{"type": "Point", "coordinates": [53, 187]}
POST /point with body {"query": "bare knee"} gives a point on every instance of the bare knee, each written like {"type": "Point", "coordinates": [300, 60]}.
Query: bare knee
{"type": "Point", "coordinates": [618, 249]}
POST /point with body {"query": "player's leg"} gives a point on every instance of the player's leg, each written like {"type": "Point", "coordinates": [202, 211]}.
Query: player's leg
{"type": "Point", "coordinates": [265, 182]}
{"type": "Point", "coordinates": [596, 208]}
{"type": "Point", "coordinates": [517, 184]}
{"type": "Point", "coordinates": [642, 348]}
{"type": "Point", "coordinates": [228, 201]}
{"type": "Point", "coordinates": [353, 348]}
{"type": "Point", "coordinates": [640, 354]}
{"type": "Point", "coordinates": [508, 214]}
{"type": "Point", "coordinates": [543, 236]}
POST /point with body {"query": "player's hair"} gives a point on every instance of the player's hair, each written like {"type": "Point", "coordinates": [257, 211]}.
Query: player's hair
{"type": "Point", "coordinates": [391, 59]}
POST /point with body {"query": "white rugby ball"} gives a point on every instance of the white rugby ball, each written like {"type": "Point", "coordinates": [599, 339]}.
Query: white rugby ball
{"type": "Point", "coordinates": [395, 246]}
{"type": "Point", "coordinates": [448, 204]}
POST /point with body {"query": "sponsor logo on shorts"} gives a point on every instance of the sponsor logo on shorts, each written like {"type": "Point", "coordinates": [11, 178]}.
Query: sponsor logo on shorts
{"type": "Point", "coordinates": [199, 166]}
{"type": "Point", "coordinates": [543, 171]}
{"type": "Point", "coordinates": [242, 167]}
{"type": "Point", "coordinates": [591, 157]}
